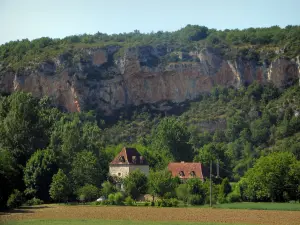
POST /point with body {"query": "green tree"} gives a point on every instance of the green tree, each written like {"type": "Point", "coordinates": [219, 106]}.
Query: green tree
{"type": "Point", "coordinates": [160, 183]}
{"type": "Point", "coordinates": [107, 188]}
{"type": "Point", "coordinates": [135, 184]}
{"type": "Point", "coordinates": [86, 170]}
{"type": "Point", "coordinates": [182, 192]}
{"type": "Point", "coordinates": [38, 173]}
{"type": "Point", "coordinates": [171, 138]}
{"type": "Point", "coordinates": [271, 178]}
{"type": "Point", "coordinates": [224, 190]}
{"type": "Point", "coordinates": [60, 188]}
{"type": "Point", "coordinates": [87, 193]}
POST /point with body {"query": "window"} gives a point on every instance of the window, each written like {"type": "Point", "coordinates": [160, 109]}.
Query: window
{"type": "Point", "coordinates": [134, 159]}
{"type": "Point", "coordinates": [119, 174]}
{"type": "Point", "coordinates": [121, 159]}
{"type": "Point", "coordinates": [181, 173]}
{"type": "Point", "coordinates": [141, 160]}
{"type": "Point", "coordinates": [192, 173]}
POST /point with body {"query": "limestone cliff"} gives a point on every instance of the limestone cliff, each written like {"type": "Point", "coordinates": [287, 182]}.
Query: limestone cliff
{"type": "Point", "coordinates": [97, 78]}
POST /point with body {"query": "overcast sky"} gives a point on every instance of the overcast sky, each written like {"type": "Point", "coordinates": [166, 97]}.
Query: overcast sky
{"type": "Point", "coordinates": [59, 18]}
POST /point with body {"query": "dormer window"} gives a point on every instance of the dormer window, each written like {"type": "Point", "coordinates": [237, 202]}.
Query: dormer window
{"type": "Point", "coordinates": [134, 159]}
{"type": "Point", "coordinates": [121, 159]}
{"type": "Point", "coordinates": [181, 173]}
{"type": "Point", "coordinates": [192, 173]}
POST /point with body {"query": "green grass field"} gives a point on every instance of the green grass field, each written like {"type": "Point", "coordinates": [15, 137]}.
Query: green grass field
{"type": "Point", "coordinates": [104, 222]}
{"type": "Point", "coordinates": [260, 206]}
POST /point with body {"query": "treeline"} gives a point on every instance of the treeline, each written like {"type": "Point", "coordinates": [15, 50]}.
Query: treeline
{"type": "Point", "coordinates": [49, 155]}
{"type": "Point", "coordinates": [249, 43]}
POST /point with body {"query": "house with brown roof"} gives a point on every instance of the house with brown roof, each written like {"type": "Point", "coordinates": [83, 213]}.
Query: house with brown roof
{"type": "Point", "coordinates": [128, 160]}
{"type": "Point", "coordinates": [187, 170]}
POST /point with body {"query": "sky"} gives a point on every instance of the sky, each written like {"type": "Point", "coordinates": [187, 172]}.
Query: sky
{"type": "Point", "coordinates": [32, 19]}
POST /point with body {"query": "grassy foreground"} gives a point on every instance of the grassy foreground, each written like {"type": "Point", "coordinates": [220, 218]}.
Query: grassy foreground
{"type": "Point", "coordinates": [104, 222]}
{"type": "Point", "coordinates": [261, 206]}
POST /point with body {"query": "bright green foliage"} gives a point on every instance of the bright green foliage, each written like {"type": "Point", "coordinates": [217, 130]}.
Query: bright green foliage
{"type": "Point", "coordinates": [107, 188]}
{"type": "Point", "coordinates": [160, 183]}
{"type": "Point", "coordinates": [182, 192]}
{"type": "Point", "coordinates": [192, 192]}
{"type": "Point", "coordinates": [224, 190]}
{"type": "Point", "coordinates": [38, 173]}
{"type": "Point", "coordinates": [135, 184]}
{"type": "Point", "coordinates": [87, 193]}
{"type": "Point", "coordinates": [60, 187]}
{"type": "Point", "coordinates": [15, 200]}
{"type": "Point", "coordinates": [273, 178]}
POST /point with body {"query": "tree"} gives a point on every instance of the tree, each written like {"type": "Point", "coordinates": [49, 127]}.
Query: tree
{"type": "Point", "coordinates": [38, 173]}
{"type": "Point", "coordinates": [87, 193]}
{"type": "Point", "coordinates": [224, 190]}
{"type": "Point", "coordinates": [107, 188]}
{"type": "Point", "coordinates": [8, 176]}
{"type": "Point", "coordinates": [86, 170]}
{"type": "Point", "coordinates": [160, 183]}
{"type": "Point", "coordinates": [171, 138]}
{"type": "Point", "coordinates": [60, 187]}
{"type": "Point", "coordinates": [182, 192]}
{"type": "Point", "coordinates": [272, 178]}
{"type": "Point", "coordinates": [135, 184]}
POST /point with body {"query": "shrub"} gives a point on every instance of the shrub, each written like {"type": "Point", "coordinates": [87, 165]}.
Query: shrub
{"type": "Point", "coordinates": [34, 201]}
{"type": "Point", "coordinates": [146, 203]}
{"type": "Point", "coordinates": [118, 198]}
{"type": "Point", "coordinates": [233, 197]}
{"type": "Point", "coordinates": [111, 198]}
{"type": "Point", "coordinates": [159, 202]}
{"type": "Point", "coordinates": [88, 193]}
{"type": "Point", "coordinates": [172, 202]}
{"type": "Point", "coordinates": [196, 200]}
{"type": "Point", "coordinates": [15, 199]}
{"type": "Point", "coordinates": [106, 202]}
{"type": "Point", "coordinates": [152, 203]}
{"type": "Point", "coordinates": [129, 201]}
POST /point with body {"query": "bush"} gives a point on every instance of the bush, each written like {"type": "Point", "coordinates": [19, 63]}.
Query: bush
{"type": "Point", "coordinates": [233, 197]}
{"type": "Point", "coordinates": [172, 202]}
{"type": "Point", "coordinates": [152, 203]}
{"type": "Point", "coordinates": [15, 199]}
{"type": "Point", "coordinates": [146, 203]}
{"type": "Point", "coordinates": [106, 202]}
{"type": "Point", "coordinates": [34, 201]}
{"type": "Point", "coordinates": [119, 198]}
{"type": "Point", "coordinates": [159, 202]}
{"type": "Point", "coordinates": [111, 198]}
{"type": "Point", "coordinates": [196, 200]}
{"type": "Point", "coordinates": [87, 193]}
{"type": "Point", "coordinates": [129, 201]}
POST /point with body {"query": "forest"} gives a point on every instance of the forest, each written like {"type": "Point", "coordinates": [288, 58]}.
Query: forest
{"type": "Point", "coordinates": [48, 155]}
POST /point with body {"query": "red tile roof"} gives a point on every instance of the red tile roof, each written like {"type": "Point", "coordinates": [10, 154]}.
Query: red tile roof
{"type": "Point", "coordinates": [128, 155]}
{"type": "Point", "coordinates": [176, 168]}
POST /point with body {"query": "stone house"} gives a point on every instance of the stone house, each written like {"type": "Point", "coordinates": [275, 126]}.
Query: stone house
{"type": "Point", "coordinates": [128, 160]}
{"type": "Point", "coordinates": [187, 170]}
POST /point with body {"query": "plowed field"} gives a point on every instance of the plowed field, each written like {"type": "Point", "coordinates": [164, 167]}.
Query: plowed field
{"type": "Point", "coordinates": [229, 216]}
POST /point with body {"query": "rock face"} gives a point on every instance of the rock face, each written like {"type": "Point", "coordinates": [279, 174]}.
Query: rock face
{"type": "Point", "coordinates": [100, 80]}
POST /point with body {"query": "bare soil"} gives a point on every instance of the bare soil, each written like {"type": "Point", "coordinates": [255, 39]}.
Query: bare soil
{"type": "Point", "coordinates": [230, 216]}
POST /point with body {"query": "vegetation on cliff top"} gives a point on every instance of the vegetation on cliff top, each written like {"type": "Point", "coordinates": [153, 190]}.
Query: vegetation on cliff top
{"type": "Point", "coordinates": [260, 44]}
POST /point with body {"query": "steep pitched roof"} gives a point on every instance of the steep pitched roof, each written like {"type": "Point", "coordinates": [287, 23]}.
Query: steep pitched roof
{"type": "Point", "coordinates": [129, 156]}
{"type": "Point", "coordinates": [185, 170]}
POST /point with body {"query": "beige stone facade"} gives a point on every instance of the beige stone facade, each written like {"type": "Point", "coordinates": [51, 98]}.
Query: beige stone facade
{"type": "Point", "coordinates": [123, 170]}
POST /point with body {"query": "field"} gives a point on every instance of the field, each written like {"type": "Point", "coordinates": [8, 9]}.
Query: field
{"type": "Point", "coordinates": [114, 215]}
